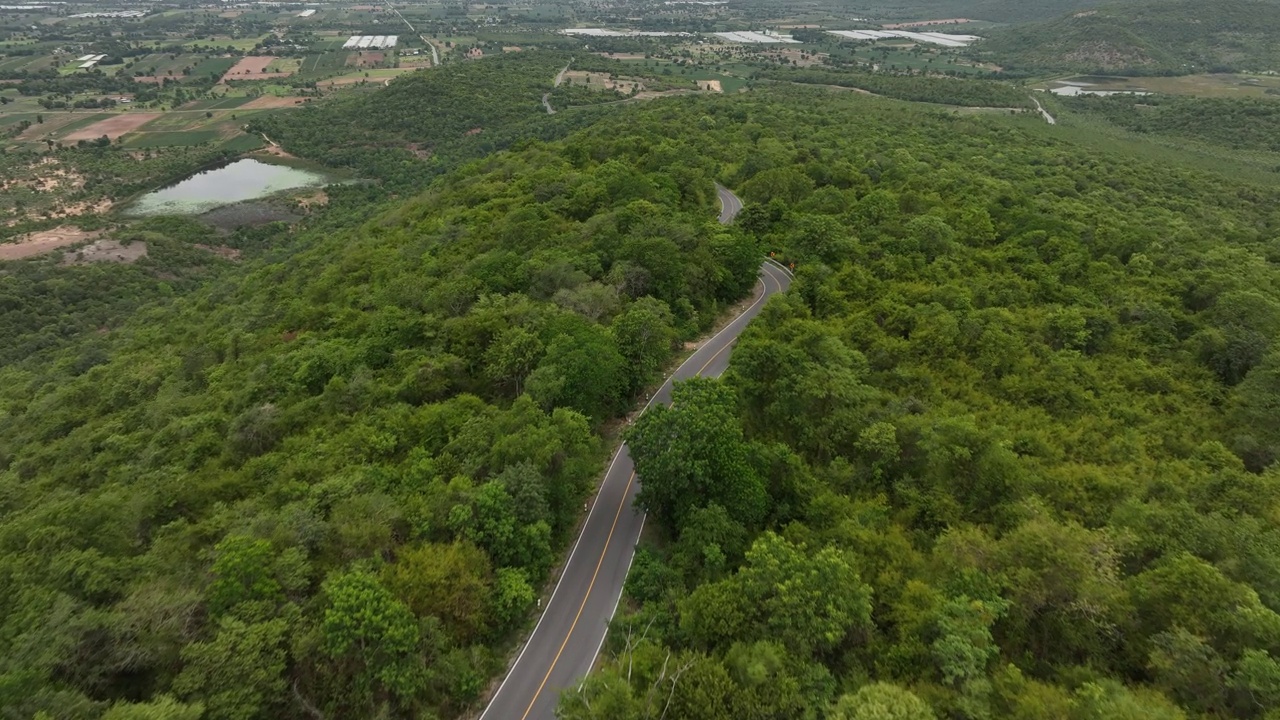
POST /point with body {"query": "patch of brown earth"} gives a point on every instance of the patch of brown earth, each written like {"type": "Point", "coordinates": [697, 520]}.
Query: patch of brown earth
{"type": "Point", "coordinates": [253, 67]}
{"type": "Point", "coordinates": [267, 102]}
{"type": "Point", "coordinates": [107, 250]}
{"type": "Point", "coordinates": [710, 85]}
{"type": "Point", "coordinates": [365, 58]}
{"type": "Point", "coordinates": [44, 241]}
{"type": "Point", "coordinates": [112, 127]}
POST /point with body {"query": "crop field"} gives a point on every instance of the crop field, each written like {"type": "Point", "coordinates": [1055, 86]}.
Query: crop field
{"type": "Point", "coordinates": [223, 103]}
{"type": "Point", "coordinates": [113, 126]}
{"type": "Point", "coordinates": [170, 139]}
{"type": "Point", "coordinates": [244, 143]}
{"type": "Point", "coordinates": [27, 63]}
{"type": "Point", "coordinates": [58, 124]}
{"type": "Point", "coordinates": [213, 66]}
{"type": "Point", "coordinates": [322, 64]}
{"type": "Point", "coordinates": [165, 64]}
{"type": "Point", "coordinates": [174, 121]}
{"type": "Point", "coordinates": [287, 66]}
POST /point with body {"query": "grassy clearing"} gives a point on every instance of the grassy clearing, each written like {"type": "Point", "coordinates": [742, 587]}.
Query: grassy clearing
{"type": "Point", "coordinates": [221, 41]}
{"type": "Point", "coordinates": [170, 139]}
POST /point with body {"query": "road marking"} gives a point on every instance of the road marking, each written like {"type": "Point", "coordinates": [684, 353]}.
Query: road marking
{"type": "Point", "coordinates": [547, 608]}
{"type": "Point", "coordinates": [586, 597]}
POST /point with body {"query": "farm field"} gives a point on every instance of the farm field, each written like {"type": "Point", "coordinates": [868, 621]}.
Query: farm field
{"type": "Point", "coordinates": [169, 139]}
{"type": "Point", "coordinates": [255, 68]}
{"type": "Point", "coordinates": [222, 103]}
{"type": "Point", "coordinates": [372, 76]}
{"type": "Point", "coordinates": [113, 126]}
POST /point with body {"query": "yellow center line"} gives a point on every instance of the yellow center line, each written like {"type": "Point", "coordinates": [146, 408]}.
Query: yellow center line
{"type": "Point", "coordinates": [605, 551]}
{"type": "Point", "coordinates": [590, 585]}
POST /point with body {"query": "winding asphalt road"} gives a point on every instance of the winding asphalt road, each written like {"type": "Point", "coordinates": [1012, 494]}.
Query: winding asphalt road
{"type": "Point", "coordinates": [571, 631]}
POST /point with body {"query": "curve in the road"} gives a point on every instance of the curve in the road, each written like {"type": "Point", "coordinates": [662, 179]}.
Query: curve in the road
{"type": "Point", "coordinates": [572, 628]}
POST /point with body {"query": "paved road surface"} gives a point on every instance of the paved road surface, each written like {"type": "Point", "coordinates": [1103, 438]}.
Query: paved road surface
{"type": "Point", "coordinates": [730, 204]}
{"type": "Point", "coordinates": [571, 631]}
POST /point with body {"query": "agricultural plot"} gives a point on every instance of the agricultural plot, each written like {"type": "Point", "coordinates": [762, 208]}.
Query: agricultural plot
{"type": "Point", "coordinates": [256, 67]}
{"type": "Point", "coordinates": [213, 66]}
{"type": "Point", "coordinates": [222, 103]}
{"type": "Point", "coordinates": [56, 125]}
{"type": "Point", "coordinates": [171, 139]}
{"type": "Point", "coordinates": [27, 63]}
{"type": "Point", "coordinates": [322, 64]}
{"type": "Point", "coordinates": [244, 143]}
{"type": "Point", "coordinates": [166, 64]}
{"type": "Point", "coordinates": [112, 126]}
{"type": "Point", "coordinates": [284, 66]}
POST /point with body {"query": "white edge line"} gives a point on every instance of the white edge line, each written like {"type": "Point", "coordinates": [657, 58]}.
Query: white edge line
{"type": "Point", "coordinates": [596, 501]}
{"type": "Point", "coordinates": [646, 517]}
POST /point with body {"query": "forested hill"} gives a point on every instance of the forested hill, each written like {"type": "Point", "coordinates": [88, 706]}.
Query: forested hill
{"type": "Point", "coordinates": [1146, 37]}
{"type": "Point", "coordinates": [336, 479]}
{"type": "Point", "coordinates": [1006, 449]}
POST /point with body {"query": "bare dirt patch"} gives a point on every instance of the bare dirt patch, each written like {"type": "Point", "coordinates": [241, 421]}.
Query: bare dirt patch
{"type": "Point", "coordinates": [44, 241]}
{"type": "Point", "coordinates": [710, 85]}
{"type": "Point", "coordinates": [107, 250]}
{"type": "Point", "coordinates": [112, 127]}
{"type": "Point", "coordinates": [253, 68]}
{"type": "Point", "coordinates": [365, 59]}
{"type": "Point", "coordinates": [267, 102]}
{"type": "Point", "coordinates": [621, 56]}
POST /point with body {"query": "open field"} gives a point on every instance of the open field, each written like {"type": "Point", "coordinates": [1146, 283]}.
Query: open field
{"type": "Point", "coordinates": [61, 122]}
{"type": "Point", "coordinates": [44, 241]}
{"type": "Point", "coordinates": [371, 76]}
{"type": "Point", "coordinates": [1224, 85]}
{"type": "Point", "coordinates": [256, 67]}
{"type": "Point", "coordinates": [113, 127]}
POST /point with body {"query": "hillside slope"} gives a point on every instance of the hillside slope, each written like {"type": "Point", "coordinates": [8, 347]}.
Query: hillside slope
{"type": "Point", "coordinates": [1147, 37]}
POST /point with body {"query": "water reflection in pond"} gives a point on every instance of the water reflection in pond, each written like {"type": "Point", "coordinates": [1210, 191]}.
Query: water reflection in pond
{"type": "Point", "coordinates": [244, 179]}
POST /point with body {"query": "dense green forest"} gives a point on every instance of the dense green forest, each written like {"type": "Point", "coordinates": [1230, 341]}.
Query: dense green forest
{"type": "Point", "coordinates": [1145, 37]}
{"type": "Point", "coordinates": [424, 123]}
{"type": "Point", "coordinates": [1005, 450]}
{"type": "Point", "coordinates": [920, 88]}
{"type": "Point", "coordinates": [1236, 123]}
{"type": "Point", "coordinates": [336, 479]}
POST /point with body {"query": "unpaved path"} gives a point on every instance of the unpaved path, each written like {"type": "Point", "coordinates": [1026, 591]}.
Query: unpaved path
{"type": "Point", "coordinates": [1047, 117]}
{"type": "Point", "coordinates": [546, 97]}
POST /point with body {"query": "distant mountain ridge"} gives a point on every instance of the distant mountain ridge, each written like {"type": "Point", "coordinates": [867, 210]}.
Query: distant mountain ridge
{"type": "Point", "coordinates": [1148, 37]}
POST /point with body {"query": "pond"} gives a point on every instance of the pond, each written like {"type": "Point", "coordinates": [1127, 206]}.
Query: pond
{"type": "Point", "coordinates": [237, 181]}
